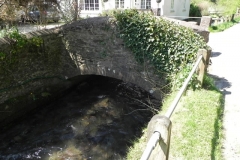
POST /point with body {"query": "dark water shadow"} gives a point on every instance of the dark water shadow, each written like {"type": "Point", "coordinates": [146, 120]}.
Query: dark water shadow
{"type": "Point", "coordinates": [99, 119]}
{"type": "Point", "coordinates": [217, 127]}
{"type": "Point", "coordinates": [221, 86]}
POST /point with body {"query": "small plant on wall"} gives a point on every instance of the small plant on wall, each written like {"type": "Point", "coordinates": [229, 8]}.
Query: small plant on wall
{"type": "Point", "coordinates": [19, 44]}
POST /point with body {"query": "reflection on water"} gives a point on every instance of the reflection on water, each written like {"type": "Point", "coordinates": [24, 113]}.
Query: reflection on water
{"type": "Point", "coordinates": [98, 120]}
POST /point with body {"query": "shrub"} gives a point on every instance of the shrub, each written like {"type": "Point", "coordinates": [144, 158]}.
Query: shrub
{"type": "Point", "coordinates": [194, 10]}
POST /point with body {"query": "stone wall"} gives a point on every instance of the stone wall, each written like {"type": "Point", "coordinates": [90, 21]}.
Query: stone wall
{"type": "Point", "coordinates": [35, 78]}
{"type": "Point", "coordinates": [87, 47]}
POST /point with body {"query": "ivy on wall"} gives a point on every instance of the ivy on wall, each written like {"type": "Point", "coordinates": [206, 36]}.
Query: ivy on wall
{"type": "Point", "coordinates": [19, 44]}
{"type": "Point", "coordinates": [168, 46]}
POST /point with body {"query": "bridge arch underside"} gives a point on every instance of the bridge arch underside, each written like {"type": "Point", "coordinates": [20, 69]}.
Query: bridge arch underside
{"type": "Point", "coordinates": [124, 73]}
{"type": "Point", "coordinates": [98, 50]}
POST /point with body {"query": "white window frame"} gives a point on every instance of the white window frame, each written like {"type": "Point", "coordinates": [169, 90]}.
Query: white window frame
{"type": "Point", "coordinates": [145, 4]}
{"type": "Point", "coordinates": [90, 5]}
{"type": "Point", "coordinates": [119, 4]}
{"type": "Point", "coordinates": [172, 5]}
{"type": "Point", "coordinates": [184, 5]}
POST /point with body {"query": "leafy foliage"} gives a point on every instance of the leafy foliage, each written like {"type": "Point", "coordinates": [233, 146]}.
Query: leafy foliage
{"type": "Point", "coordinates": [223, 26]}
{"type": "Point", "coordinates": [168, 46]}
{"type": "Point", "coordinates": [19, 44]}
{"type": "Point", "coordinates": [194, 10]}
{"type": "Point", "coordinates": [179, 78]}
{"type": "Point", "coordinates": [230, 6]}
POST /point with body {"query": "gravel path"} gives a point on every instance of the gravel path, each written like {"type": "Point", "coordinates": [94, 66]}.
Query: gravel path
{"type": "Point", "coordinates": [226, 69]}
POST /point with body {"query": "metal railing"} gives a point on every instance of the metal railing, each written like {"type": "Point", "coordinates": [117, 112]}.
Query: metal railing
{"type": "Point", "coordinates": [157, 136]}
{"type": "Point", "coordinates": [183, 88]}
{"type": "Point", "coordinates": [185, 17]}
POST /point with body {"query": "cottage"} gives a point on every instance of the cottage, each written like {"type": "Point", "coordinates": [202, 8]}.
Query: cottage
{"type": "Point", "coordinates": [178, 9]}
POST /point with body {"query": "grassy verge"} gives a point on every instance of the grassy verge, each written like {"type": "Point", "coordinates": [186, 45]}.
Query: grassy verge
{"type": "Point", "coordinates": [196, 129]}
{"type": "Point", "coordinates": [223, 26]}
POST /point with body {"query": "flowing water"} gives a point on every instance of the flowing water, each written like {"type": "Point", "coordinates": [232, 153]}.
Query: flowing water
{"type": "Point", "coordinates": [97, 120]}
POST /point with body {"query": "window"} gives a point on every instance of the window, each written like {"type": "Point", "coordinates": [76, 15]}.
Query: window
{"type": "Point", "coordinates": [119, 4]}
{"type": "Point", "coordinates": [136, 3]}
{"type": "Point", "coordinates": [90, 5]}
{"type": "Point", "coordinates": [172, 4]}
{"type": "Point", "coordinates": [145, 4]}
{"type": "Point", "coordinates": [184, 4]}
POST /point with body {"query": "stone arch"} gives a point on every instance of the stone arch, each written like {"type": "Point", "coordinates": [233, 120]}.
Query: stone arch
{"type": "Point", "coordinates": [94, 47]}
{"type": "Point", "coordinates": [86, 47]}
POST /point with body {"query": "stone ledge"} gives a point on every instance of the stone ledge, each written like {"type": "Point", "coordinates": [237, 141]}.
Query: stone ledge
{"type": "Point", "coordinates": [198, 29]}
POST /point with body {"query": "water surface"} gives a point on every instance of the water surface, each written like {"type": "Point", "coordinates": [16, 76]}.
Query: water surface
{"type": "Point", "coordinates": [98, 120]}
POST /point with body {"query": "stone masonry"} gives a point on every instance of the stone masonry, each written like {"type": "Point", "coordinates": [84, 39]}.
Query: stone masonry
{"type": "Point", "coordinates": [87, 47]}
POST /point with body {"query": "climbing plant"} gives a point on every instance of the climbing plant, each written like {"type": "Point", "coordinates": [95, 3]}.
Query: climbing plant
{"type": "Point", "coordinates": [167, 45]}
{"type": "Point", "coordinates": [19, 44]}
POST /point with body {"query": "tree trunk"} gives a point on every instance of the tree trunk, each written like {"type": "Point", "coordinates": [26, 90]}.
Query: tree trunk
{"type": "Point", "coordinates": [75, 10]}
{"type": "Point", "coordinates": [232, 17]}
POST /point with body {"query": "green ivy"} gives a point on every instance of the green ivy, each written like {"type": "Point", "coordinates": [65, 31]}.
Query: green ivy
{"type": "Point", "coordinates": [19, 44]}
{"type": "Point", "coordinates": [179, 78]}
{"type": "Point", "coordinates": [168, 46]}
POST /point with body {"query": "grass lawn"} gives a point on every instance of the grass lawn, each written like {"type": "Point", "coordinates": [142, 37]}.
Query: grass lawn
{"type": "Point", "coordinates": [197, 124]}
{"type": "Point", "coordinates": [196, 127]}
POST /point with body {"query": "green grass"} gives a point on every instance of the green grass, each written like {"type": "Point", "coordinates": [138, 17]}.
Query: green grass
{"type": "Point", "coordinates": [196, 126]}
{"type": "Point", "coordinates": [223, 26]}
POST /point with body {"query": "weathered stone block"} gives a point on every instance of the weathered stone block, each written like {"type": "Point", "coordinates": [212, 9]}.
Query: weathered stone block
{"type": "Point", "coordinates": [205, 22]}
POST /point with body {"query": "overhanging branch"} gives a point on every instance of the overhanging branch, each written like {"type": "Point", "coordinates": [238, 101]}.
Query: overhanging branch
{"type": "Point", "coordinates": [2, 3]}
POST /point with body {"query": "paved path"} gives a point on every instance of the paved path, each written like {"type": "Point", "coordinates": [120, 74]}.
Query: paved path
{"type": "Point", "coordinates": [226, 68]}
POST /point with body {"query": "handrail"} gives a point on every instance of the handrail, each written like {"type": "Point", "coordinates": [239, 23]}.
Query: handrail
{"type": "Point", "coordinates": [156, 136]}
{"type": "Point", "coordinates": [181, 17]}
{"type": "Point", "coordinates": [184, 86]}
{"type": "Point", "coordinates": [151, 145]}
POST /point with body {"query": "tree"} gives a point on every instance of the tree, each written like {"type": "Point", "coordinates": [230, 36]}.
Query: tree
{"type": "Point", "coordinates": [69, 10]}
{"type": "Point", "coordinates": [8, 9]}
{"type": "Point", "coordinates": [230, 6]}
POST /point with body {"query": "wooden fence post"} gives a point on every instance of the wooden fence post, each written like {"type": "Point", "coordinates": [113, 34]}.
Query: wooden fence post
{"type": "Point", "coordinates": [202, 68]}
{"type": "Point", "coordinates": [209, 52]}
{"type": "Point", "coordinates": [162, 125]}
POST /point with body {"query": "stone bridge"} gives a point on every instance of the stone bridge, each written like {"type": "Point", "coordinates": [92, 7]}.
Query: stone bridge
{"type": "Point", "coordinates": [87, 47]}
{"type": "Point", "coordinates": [69, 54]}
{"type": "Point", "coordinates": [95, 49]}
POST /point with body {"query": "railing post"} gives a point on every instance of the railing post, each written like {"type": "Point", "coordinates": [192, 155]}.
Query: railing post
{"type": "Point", "coordinates": [202, 68]}
{"type": "Point", "coordinates": [162, 125]}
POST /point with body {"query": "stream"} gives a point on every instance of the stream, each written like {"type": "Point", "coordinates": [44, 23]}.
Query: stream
{"type": "Point", "coordinates": [99, 119]}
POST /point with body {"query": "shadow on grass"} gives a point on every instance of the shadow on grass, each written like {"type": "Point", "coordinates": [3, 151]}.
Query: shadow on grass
{"type": "Point", "coordinates": [214, 27]}
{"type": "Point", "coordinates": [217, 138]}
{"type": "Point", "coordinates": [214, 82]}
{"type": "Point", "coordinates": [220, 85]}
